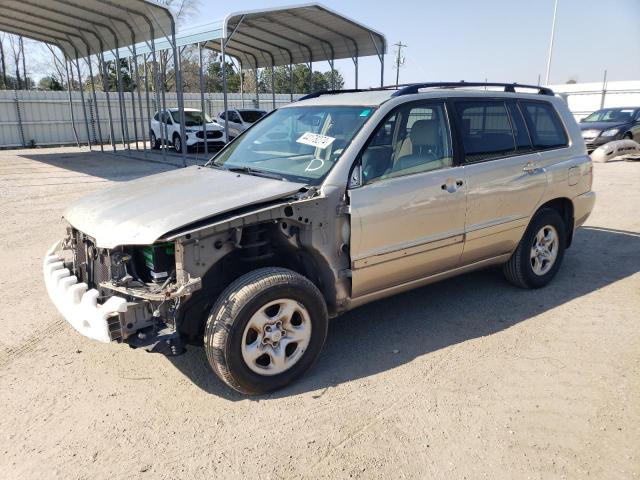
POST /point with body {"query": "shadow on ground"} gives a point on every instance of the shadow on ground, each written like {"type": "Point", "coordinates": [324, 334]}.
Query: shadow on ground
{"type": "Point", "coordinates": [361, 342]}
{"type": "Point", "coordinates": [108, 166]}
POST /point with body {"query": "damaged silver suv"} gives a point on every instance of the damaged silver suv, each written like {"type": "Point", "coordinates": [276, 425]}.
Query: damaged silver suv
{"type": "Point", "coordinates": [329, 203]}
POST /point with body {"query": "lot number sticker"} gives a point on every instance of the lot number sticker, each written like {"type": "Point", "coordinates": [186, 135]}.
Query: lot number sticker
{"type": "Point", "coordinates": [315, 140]}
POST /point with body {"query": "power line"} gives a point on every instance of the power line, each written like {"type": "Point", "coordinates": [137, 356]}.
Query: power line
{"type": "Point", "coordinates": [399, 60]}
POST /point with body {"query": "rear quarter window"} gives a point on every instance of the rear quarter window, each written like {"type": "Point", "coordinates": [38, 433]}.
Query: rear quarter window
{"type": "Point", "coordinates": [544, 125]}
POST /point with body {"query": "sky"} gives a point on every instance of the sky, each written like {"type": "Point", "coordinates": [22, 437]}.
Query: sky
{"type": "Point", "coordinates": [500, 40]}
{"type": "Point", "coordinates": [472, 40]}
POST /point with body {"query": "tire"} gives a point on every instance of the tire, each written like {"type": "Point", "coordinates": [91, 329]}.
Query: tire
{"type": "Point", "coordinates": [244, 358]}
{"type": "Point", "coordinates": [177, 143]}
{"type": "Point", "coordinates": [526, 270]}
{"type": "Point", "coordinates": [627, 136]}
{"type": "Point", "coordinates": [155, 143]}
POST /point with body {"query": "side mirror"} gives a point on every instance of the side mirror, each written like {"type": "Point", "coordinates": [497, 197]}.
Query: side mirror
{"type": "Point", "coordinates": [355, 180]}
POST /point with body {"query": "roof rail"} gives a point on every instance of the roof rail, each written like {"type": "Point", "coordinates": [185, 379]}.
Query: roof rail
{"type": "Point", "coordinates": [508, 87]}
{"type": "Point", "coordinates": [412, 88]}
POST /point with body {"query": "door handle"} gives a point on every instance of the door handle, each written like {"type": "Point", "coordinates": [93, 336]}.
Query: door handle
{"type": "Point", "coordinates": [451, 185]}
{"type": "Point", "coordinates": [531, 168]}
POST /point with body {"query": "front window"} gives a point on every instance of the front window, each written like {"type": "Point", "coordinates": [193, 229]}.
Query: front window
{"type": "Point", "coordinates": [296, 143]}
{"type": "Point", "coordinates": [193, 118]}
{"type": "Point", "coordinates": [617, 115]}
{"type": "Point", "coordinates": [252, 116]}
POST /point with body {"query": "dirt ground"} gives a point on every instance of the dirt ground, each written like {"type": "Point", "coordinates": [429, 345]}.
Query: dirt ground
{"type": "Point", "coordinates": [468, 378]}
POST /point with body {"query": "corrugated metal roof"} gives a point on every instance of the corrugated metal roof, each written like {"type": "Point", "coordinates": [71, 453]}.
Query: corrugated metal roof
{"type": "Point", "coordinates": [285, 35]}
{"type": "Point", "coordinates": [298, 34]}
{"type": "Point", "coordinates": [85, 27]}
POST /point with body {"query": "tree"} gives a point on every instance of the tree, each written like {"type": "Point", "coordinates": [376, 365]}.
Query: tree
{"type": "Point", "coordinates": [214, 81]}
{"type": "Point", "coordinates": [50, 83]}
{"type": "Point", "coordinates": [321, 80]}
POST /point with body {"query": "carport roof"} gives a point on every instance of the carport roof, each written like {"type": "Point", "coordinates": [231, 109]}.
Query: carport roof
{"type": "Point", "coordinates": [285, 35]}
{"type": "Point", "coordinates": [298, 34]}
{"type": "Point", "coordinates": [85, 27]}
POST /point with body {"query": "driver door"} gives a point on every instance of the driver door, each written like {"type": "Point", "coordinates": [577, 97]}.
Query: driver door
{"type": "Point", "coordinates": [408, 212]}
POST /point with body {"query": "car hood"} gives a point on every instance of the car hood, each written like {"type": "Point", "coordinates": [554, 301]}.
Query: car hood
{"type": "Point", "coordinates": [141, 211]}
{"type": "Point", "coordinates": [601, 125]}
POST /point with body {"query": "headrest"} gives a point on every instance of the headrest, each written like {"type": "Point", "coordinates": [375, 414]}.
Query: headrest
{"type": "Point", "coordinates": [424, 132]}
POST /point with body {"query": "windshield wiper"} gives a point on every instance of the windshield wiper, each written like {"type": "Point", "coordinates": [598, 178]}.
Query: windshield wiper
{"type": "Point", "coordinates": [257, 173]}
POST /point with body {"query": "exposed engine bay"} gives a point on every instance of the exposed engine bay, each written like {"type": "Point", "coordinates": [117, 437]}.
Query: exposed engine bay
{"type": "Point", "coordinates": [169, 286]}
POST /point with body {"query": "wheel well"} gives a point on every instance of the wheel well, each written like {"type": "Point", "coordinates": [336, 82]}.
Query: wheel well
{"type": "Point", "coordinates": [261, 245]}
{"type": "Point", "coordinates": [564, 207]}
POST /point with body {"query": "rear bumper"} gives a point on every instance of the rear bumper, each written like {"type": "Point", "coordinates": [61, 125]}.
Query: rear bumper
{"type": "Point", "coordinates": [582, 207]}
{"type": "Point", "coordinates": [77, 305]}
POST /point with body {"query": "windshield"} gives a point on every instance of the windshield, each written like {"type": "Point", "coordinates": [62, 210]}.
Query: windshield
{"type": "Point", "coordinates": [192, 118]}
{"type": "Point", "coordinates": [251, 116]}
{"type": "Point", "coordinates": [296, 143]}
{"type": "Point", "coordinates": [618, 115]}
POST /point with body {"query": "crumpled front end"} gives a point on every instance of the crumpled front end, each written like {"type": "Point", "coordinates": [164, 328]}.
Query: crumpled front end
{"type": "Point", "coordinates": [105, 296]}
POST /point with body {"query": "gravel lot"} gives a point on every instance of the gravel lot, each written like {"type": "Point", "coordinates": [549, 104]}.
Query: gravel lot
{"type": "Point", "coordinates": [468, 378]}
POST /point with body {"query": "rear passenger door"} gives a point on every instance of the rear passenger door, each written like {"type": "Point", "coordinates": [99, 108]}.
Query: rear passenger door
{"type": "Point", "coordinates": [505, 180]}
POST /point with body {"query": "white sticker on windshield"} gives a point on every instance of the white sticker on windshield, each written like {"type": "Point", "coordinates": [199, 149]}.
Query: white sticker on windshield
{"type": "Point", "coordinates": [315, 140]}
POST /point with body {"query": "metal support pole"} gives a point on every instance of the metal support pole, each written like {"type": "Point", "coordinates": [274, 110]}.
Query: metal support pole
{"type": "Point", "coordinates": [355, 62]}
{"type": "Point", "coordinates": [73, 117]}
{"type": "Point", "coordinates": [273, 85]}
{"type": "Point", "coordinates": [553, 33]}
{"type": "Point", "coordinates": [157, 89]}
{"type": "Point", "coordinates": [255, 72]}
{"type": "Point", "coordinates": [382, 70]}
{"type": "Point", "coordinates": [310, 76]}
{"type": "Point", "coordinates": [224, 89]}
{"type": "Point", "coordinates": [604, 89]}
{"type": "Point", "coordinates": [133, 104]}
{"type": "Point", "coordinates": [95, 102]}
{"type": "Point", "coordinates": [291, 82]}
{"type": "Point", "coordinates": [145, 57]}
{"type": "Point", "coordinates": [124, 126]}
{"type": "Point", "coordinates": [241, 85]}
{"type": "Point", "coordinates": [84, 106]}
{"type": "Point", "coordinates": [179, 91]}
{"type": "Point", "coordinates": [105, 82]}
{"type": "Point", "coordinates": [138, 86]}
{"type": "Point", "coordinates": [333, 79]}
{"type": "Point", "coordinates": [163, 107]}
{"type": "Point", "coordinates": [204, 113]}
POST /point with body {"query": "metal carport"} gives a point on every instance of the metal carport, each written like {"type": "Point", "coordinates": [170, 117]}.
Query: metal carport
{"type": "Point", "coordinates": [85, 28]}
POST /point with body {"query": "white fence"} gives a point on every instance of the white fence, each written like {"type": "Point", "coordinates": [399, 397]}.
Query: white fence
{"type": "Point", "coordinates": [584, 98]}
{"type": "Point", "coordinates": [34, 118]}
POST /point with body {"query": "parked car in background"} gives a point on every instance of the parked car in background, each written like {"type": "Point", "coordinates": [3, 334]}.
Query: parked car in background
{"type": "Point", "coordinates": [326, 204]}
{"type": "Point", "coordinates": [604, 126]}
{"type": "Point", "coordinates": [241, 119]}
{"type": "Point", "coordinates": [193, 120]}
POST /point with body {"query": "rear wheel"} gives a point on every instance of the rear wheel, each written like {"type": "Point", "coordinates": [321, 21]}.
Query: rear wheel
{"type": "Point", "coordinates": [155, 143]}
{"type": "Point", "coordinates": [265, 330]}
{"type": "Point", "coordinates": [539, 254]}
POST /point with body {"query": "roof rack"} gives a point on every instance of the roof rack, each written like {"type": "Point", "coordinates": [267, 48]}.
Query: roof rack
{"type": "Point", "coordinates": [508, 87]}
{"type": "Point", "coordinates": [413, 88]}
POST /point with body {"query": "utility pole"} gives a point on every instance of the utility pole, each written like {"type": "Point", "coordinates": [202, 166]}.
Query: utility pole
{"type": "Point", "coordinates": [553, 33]}
{"type": "Point", "coordinates": [399, 61]}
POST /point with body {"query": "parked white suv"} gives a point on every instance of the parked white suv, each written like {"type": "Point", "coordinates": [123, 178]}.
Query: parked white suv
{"type": "Point", "coordinates": [326, 204]}
{"type": "Point", "coordinates": [240, 119]}
{"type": "Point", "coordinates": [170, 119]}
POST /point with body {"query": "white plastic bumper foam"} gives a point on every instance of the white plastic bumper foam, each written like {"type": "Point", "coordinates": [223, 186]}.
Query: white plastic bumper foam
{"type": "Point", "coordinates": [77, 305]}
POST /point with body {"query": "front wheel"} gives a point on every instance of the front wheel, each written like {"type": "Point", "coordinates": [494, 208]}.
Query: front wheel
{"type": "Point", "coordinates": [177, 143]}
{"type": "Point", "coordinates": [539, 254]}
{"type": "Point", "coordinates": [265, 330]}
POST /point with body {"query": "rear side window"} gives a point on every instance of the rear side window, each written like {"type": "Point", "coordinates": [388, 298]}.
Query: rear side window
{"type": "Point", "coordinates": [544, 125]}
{"type": "Point", "coordinates": [486, 130]}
